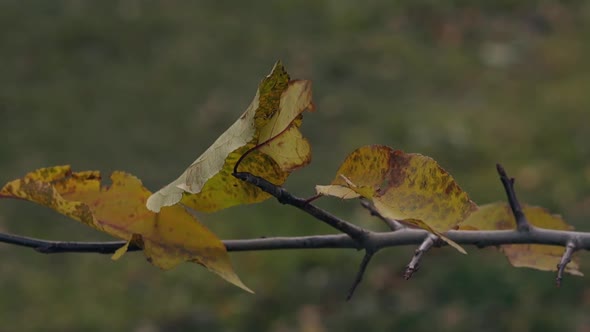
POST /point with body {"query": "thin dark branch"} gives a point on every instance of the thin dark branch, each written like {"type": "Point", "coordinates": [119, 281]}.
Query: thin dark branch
{"type": "Point", "coordinates": [360, 273]}
{"type": "Point", "coordinates": [109, 247]}
{"type": "Point", "coordinates": [565, 259]}
{"type": "Point", "coordinates": [285, 197]}
{"type": "Point", "coordinates": [414, 264]}
{"type": "Point", "coordinates": [522, 223]}
{"type": "Point", "coordinates": [374, 242]}
{"type": "Point", "coordinates": [51, 247]}
{"type": "Point", "coordinates": [394, 225]}
{"type": "Point", "coordinates": [379, 240]}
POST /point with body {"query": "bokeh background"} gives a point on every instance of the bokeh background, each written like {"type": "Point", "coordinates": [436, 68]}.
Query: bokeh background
{"type": "Point", "coordinates": [146, 86]}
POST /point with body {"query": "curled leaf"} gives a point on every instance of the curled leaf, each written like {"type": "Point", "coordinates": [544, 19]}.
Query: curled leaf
{"type": "Point", "coordinates": [265, 140]}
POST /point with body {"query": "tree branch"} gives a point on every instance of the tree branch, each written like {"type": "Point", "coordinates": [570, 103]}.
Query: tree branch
{"type": "Point", "coordinates": [565, 259]}
{"type": "Point", "coordinates": [414, 264]}
{"type": "Point", "coordinates": [284, 197]}
{"type": "Point", "coordinates": [54, 247]}
{"type": "Point", "coordinates": [522, 223]}
{"type": "Point", "coordinates": [402, 237]}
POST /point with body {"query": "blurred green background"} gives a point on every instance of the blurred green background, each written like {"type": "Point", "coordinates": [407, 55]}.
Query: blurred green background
{"type": "Point", "coordinates": [146, 86]}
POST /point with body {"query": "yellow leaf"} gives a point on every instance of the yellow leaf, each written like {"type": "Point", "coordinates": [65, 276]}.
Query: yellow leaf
{"type": "Point", "coordinates": [168, 238]}
{"type": "Point", "coordinates": [407, 187]}
{"type": "Point", "coordinates": [498, 216]}
{"type": "Point", "coordinates": [290, 150]}
{"type": "Point", "coordinates": [366, 166]}
{"type": "Point", "coordinates": [267, 132]}
{"type": "Point", "coordinates": [224, 190]}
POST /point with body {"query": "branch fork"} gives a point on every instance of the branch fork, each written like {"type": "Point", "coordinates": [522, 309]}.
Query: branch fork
{"type": "Point", "coordinates": [363, 237]}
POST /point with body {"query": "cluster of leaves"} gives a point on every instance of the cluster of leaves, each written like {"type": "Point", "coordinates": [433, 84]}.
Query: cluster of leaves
{"type": "Point", "coordinates": [265, 141]}
{"type": "Point", "coordinates": [415, 191]}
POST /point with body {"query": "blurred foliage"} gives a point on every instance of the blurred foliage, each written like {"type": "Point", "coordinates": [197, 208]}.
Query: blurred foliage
{"type": "Point", "coordinates": [126, 84]}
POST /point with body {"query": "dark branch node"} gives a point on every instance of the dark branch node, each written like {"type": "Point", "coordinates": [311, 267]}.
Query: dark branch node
{"type": "Point", "coordinates": [480, 245]}
{"type": "Point", "coordinates": [522, 223]}
{"type": "Point", "coordinates": [437, 242]}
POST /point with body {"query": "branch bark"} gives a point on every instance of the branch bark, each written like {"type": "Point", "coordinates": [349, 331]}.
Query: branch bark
{"type": "Point", "coordinates": [522, 224]}
{"type": "Point", "coordinates": [414, 264]}
{"type": "Point", "coordinates": [284, 197]}
{"type": "Point", "coordinates": [402, 237]}
{"type": "Point", "coordinates": [565, 260]}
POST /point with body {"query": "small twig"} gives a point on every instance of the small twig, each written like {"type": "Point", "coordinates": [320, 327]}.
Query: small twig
{"type": "Point", "coordinates": [565, 259]}
{"type": "Point", "coordinates": [414, 264]}
{"type": "Point", "coordinates": [522, 223]}
{"type": "Point", "coordinates": [284, 197]}
{"type": "Point", "coordinates": [360, 273]}
{"type": "Point", "coordinates": [394, 225]}
{"type": "Point", "coordinates": [313, 198]}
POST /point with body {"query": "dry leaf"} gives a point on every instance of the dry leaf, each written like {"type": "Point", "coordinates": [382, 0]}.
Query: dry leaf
{"type": "Point", "coordinates": [168, 238]}
{"type": "Point", "coordinates": [270, 127]}
{"type": "Point", "coordinates": [407, 187]}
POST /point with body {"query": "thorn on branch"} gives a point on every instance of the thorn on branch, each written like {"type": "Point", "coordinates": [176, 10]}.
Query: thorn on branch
{"type": "Point", "coordinates": [522, 223]}
{"type": "Point", "coordinates": [414, 264]}
{"type": "Point", "coordinates": [565, 259]}
{"type": "Point", "coordinates": [392, 224]}
{"type": "Point", "coordinates": [360, 273]}
{"type": "Point", "coordinates": [313, 198]}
